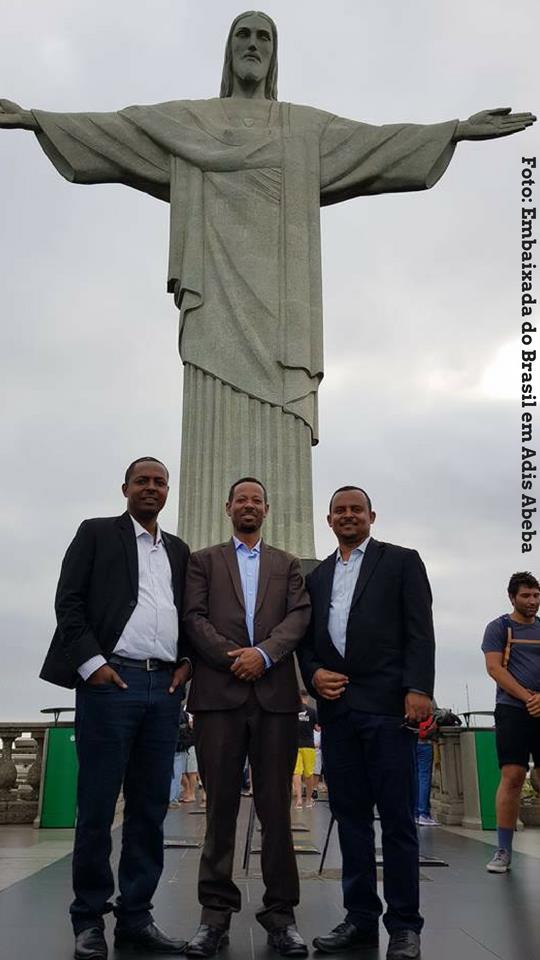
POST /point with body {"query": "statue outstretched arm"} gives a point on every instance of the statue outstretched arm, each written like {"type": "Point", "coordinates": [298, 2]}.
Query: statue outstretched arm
{"type": "Point", "coordinates": [15, 117]}
{"type": "Point", "coordinates": [490, 124]}
{"type": "Point", "coordinates": [95, 147]}
{"type": "Point", "coordinates": [359, 159]}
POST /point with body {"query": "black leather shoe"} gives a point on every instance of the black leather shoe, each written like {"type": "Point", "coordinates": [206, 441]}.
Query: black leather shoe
{"type": "Point", "coordinates": [403, 945]}
{"type": "Point", "coordinates": [149, 938]}
{"type": "Point", "coordinates": [90, 945]}
{"type": "Point", "coordinates": [287, 941]}
{"type": "Point", "coordinates": [207, 941]}
{"type": "Point", "coordinates": [346, 936]}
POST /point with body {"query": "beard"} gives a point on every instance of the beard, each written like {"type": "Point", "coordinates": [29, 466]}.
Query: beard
{"type": "Point", "coordinates": [350, 537]}
{"type": "Point", "coordinates": [249, 524]}
{"type": "Point", "coordinates": [250, 71]}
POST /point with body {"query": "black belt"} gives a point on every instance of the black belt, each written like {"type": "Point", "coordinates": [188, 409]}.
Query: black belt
{"type": "Point", "coordinates": [151, 663]}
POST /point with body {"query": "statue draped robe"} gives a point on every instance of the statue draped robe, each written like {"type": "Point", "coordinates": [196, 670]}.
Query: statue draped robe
{"type": "Point", "coordinates": [245, 180]}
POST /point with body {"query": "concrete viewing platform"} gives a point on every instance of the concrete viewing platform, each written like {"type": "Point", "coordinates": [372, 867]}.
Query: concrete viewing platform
{"type": "Point", "coordinates": [469, 914]}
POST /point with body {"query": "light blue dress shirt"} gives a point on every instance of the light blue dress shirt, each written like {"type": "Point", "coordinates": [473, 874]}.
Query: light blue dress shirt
{"type": "Point", "coordinates": [248, 565]}
{"type": "Point", "coordinates": [345, 578]}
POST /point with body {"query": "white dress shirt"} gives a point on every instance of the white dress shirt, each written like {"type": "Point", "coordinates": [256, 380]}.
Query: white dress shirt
{"type": "Point", "coordinates": [152, 629]}
{"type": "Point", "coordinates": [345, 579]}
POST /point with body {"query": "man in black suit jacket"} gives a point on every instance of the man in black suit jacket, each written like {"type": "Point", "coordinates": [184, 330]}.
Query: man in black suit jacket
{"type": "Point", "coordinates": [118, 607]}
{"type": "Point", "coordinates": [368, 658]}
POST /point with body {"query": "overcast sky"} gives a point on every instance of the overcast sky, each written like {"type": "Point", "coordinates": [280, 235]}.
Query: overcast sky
{"type": "Point", "coordinates": [420, 402]}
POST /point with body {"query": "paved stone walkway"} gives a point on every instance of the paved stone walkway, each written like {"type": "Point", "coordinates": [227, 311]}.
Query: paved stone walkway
{"type": "Point", "coordinates": [470, 915]}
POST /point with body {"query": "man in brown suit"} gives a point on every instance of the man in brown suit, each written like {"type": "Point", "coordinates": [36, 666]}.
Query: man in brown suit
{"type": "Point", "coordinates": [246, 609]}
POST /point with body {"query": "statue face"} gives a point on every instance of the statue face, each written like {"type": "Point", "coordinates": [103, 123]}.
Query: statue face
{"type": "Point", "coordinates": [251, 47]}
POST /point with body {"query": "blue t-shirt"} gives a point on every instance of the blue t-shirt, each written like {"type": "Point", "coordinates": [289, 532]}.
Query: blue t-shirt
{"type": "Point", "coordinates": [524, 662]}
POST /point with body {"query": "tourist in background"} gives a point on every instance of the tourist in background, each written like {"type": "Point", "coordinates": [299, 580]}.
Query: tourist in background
{"type": "Point", "coordinates": [183, 745]}
{"type": "Point", "coordinates": [304, 771]}
{"type": "Point", "coordinates": [427, 730]}
{"type": "Point", "coordinates": [511, 646]}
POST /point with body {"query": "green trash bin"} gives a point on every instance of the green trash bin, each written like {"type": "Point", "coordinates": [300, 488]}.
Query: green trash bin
{"type": "Point", "coordinates": [489, 775]}
{"type": "Point", "coordinates": [481, 777]}
{"type": "Point", "coordinates": [59, 779]}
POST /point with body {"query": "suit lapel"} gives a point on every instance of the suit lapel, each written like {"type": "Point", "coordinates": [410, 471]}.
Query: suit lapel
{"type": "Point", "coordinates": [373, 554]}
{"type": "Point", "coordinates": [129, 540]}
{"type": "Point", "coordinates": [175, 567]}
{"type": "Point", "coordinates": [229, 554]}
{"type": "Point", "coordinates": [327, 569]}
{"type": "Point", "coordinates": [265, 566]}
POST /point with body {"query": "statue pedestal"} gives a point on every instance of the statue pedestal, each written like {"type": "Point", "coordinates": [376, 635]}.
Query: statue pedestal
{"type": "Point", "coordinates": [227, 435]}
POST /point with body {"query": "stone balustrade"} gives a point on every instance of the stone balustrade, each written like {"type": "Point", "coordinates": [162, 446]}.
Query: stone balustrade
{"type": "Point", "coordinates": [453, 792]}
{"type": "Point", "coordinates": [20, 770]}
{"type": "Point", "coordinates": [21, 760]}
{"type": "Point", "coordinates": [22, 755]}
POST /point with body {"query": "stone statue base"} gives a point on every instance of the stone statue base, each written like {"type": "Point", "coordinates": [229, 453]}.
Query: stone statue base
{"type": "Point", "coordinates": [227, 435]}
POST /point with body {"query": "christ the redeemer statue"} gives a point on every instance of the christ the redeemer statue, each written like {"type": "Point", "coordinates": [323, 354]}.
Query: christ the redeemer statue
{"type": "Point", "coordinates": [245, 176]}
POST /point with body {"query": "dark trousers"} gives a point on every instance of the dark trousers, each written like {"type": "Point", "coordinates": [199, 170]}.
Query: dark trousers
{"type": "Point", "coordinates": [370, 760]}
{"type": "Point", "coordinates": [123, 737]}
{"type": "Point", "coordinates": [223, 739]}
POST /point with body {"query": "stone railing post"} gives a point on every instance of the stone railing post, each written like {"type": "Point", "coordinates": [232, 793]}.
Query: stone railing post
{"type": "Point", "coordinates": [20, 771]}
{"type": "Point", "coordinates": [8, 770]}
{"type": "Point", "coordinates": [33, 776]}
{"type": "Point", "coordinates": [447, 786]}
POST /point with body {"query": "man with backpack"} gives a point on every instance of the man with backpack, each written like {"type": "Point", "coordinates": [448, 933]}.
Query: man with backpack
{"type": "Point", "coordinates": [512, 649]}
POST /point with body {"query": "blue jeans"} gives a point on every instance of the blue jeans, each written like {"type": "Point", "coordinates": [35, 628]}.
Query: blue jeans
{"type": "Point", "coordinates": [179, 768]}
{"type": "Point", "coordinates": [424, 765]}
{"type": "Point", "coordinates": [124, 738]}
{"type": "Point", "coordinates": [370, 760]}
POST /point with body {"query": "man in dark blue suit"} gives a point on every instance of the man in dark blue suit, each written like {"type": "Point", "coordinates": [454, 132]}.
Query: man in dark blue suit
{"type": "Point", "coordinates": [118, 641]}
{"type": "Point", "coordinates": [368, 658]}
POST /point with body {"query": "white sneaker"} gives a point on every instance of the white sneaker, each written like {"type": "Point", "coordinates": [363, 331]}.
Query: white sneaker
{"type": "Point", "coordinates": [427, 821]}
{"type": "Point", "coordinates": [500, 862]}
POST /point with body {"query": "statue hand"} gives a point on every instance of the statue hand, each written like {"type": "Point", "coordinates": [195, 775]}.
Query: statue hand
{"type": "Point", "coordinates": [489, 124]}
{"type": "Point", "coordinates": [12, 115]}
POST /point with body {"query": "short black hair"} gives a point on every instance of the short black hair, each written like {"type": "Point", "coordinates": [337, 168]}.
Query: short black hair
{"type": "Point", "coordinates": [247, 480]}
{"type": "Point", "coordinates": [523, 579]}
{"type": "Point", "coordinates": [344, 490]}
{"type": "Point", "coordinates": [134, 463]}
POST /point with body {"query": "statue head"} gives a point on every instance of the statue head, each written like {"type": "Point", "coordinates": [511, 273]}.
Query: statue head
{"type": "Point", "coordinates": [229, 67]}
